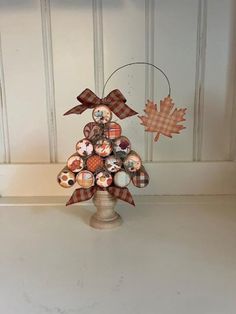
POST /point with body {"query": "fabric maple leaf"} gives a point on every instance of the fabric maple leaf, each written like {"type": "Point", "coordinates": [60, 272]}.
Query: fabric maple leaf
{"type": "Point", "coordinates": [163, 121]}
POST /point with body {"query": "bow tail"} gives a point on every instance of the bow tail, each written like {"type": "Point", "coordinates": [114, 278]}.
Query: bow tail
{"type": "Point", "coordinates": [121, 193]}
{"type": "Point", "coordinates": [81, 195]}
{"type": "Point", "coordinates": [77, 109]}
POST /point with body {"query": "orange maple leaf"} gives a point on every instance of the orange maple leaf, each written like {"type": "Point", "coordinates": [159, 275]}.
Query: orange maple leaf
{"type": "Point", "coordinates": [163, 121]}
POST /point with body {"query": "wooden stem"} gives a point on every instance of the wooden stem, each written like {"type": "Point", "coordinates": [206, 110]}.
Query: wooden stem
{"type": "Point", "coordinates": [105, 217]}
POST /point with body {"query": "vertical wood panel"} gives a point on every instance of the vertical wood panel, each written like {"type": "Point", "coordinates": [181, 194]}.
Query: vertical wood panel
{"type": "Point", "coordinates": [216, 121]}
{"type": "Point", "coordinates": [24, 80]}
{"type": "Point", "coordinates": [4, 132]}
{"type": "Point", "coordinates": [124, 42]}
{"type": "Point", "coordinates": [175, 53]}
{"type": "Point", "coordinates": [49, 78]}
{"type": "Point", "coordinates": [98, 47]}
{"type": "Point", "coordinates": [149, 73]}
{"type": "Point", "coordinates": [232, 83]}
{"type": "Point", "coordinates": [72, 39]}
{"type": "Point", "coordinates": [199, 80]}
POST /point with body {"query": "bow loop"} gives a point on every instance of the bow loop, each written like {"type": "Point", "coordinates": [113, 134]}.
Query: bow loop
{"type": "Point", "coordinates": [114, 100]}
{"type": "Point", "coordinates": [80, 195]}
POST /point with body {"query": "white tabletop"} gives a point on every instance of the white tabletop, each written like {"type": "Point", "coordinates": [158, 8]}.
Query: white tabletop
{"type": "Point", "coordinates": [172, 255]}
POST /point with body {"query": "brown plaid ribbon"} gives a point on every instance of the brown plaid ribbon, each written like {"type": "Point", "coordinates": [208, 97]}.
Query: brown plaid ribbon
{"type": "Point", "coordinates": [114, 100]}
{"type": "Point", "coordinates": [81, 194]}
{"type": "Point", "coordinates": [121, 193]}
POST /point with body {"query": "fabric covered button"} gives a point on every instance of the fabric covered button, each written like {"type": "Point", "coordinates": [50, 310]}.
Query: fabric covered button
{"type": "Point", "coordinates": [121, 179]}
{"type": "Point", "coordinates": [102, 114]}
{"type": "Point", "coordinates": [113, 163]}
{"type": "Point", "coordinates": [103, 179]}
{"type": "Point", "coordinates": [94, 162]}
{"type": "Point", "coordinates": [103, 147]}
{"type": "Point", "coordinates": [132, 162]}
{"type": "Point", "coordinates": [122, 146]}
{"type": "Point", "coordinates": [85, 179]}
{"type": "Point", "coordinates": [66, 178]}
{"type": "Point", "coordinates": [75, 163]}
{"type": "Point", "coordinates": [141, 178]}
{"type": "Point", "coordinates": [84, 148]}
{"type": "Point", "coordinates": [91, 130]}
{"type": "Point", "coordinates": [112, 131]}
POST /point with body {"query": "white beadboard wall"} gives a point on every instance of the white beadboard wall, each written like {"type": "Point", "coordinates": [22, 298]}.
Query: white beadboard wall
{"type": "Point", "coordinates": [51, 50]}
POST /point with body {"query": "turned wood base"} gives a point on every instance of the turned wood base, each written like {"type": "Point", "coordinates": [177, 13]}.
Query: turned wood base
{"type": "Point", "coordinates": [105, 217]}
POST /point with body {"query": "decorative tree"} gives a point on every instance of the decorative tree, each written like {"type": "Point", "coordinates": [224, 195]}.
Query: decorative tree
{"type": "Point", "coordinates": [104, 163]}
{"type": "Point", "coordinates": [104, 160]}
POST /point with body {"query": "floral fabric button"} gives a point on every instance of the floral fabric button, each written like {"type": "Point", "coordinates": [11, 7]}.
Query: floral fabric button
{"type": "Point", "coordinates": [122, 146]}
{"type": "Point", "coordinates": [141, 178]}
{"type": "Point", "coordinates": [113, 163]}
{"type": "Point", "coordinates": [103, 147]}
{"type": "Point", "coordinates": [85, 179]}
{"type": "Point", "coordinates": [75, 163]}
{"type": "Point", "coordinates": [91, 130]}
{"type": "Point", "coordinates": [94, 163]}
{"type": "Point", "coordinates": [103, 179]}
{"type": "Point", "coordinates": [132, 162]}
{"type": "Point", "coordinates": [102, 114]}
{"type": "Point", "coordinates": [121, 179]}
{"type": "Point", "coordinates": [84, 148]}
{"type": "Point", "coordinates": [66, 178]}
{"type": "Point", "coordinates": [112, 131]}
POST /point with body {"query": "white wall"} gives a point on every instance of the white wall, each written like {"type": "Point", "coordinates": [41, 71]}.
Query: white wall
{"type": "Point", "coordinates": [52, 50]}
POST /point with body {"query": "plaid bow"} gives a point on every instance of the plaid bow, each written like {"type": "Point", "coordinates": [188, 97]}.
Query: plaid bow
{"type": "Point", "coordinates": [81, 194]}
{"type": "Point", "coordinates": [114, 100]}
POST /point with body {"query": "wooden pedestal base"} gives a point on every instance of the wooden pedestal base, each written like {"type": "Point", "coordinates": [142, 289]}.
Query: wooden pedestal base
{"type": "Point", "coordinates": [105, 217]}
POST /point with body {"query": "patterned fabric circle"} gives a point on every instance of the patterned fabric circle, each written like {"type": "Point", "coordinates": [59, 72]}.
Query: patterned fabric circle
{"type": "Point", "coordinates": [132, 162]}
{"type": "Point", "coordinates": [75, 163]}
{"type": "Point", "coordinates": [84, 148]}
{"type": "Point", "coordinates": [122, 179]}
{"type": "Point", "coordinates": [103, 147]}
{"type": "Point", "coordinates": [102, 114]}
{"type": "Point", "coordinates": [94, 163]}
{"type": "Point", "coordinates": [103, 179]}
{"type": "Point", "coordinates": [113, 130]}
{"type": "Point", "coordinates": [113, 163]}
{"type": "Point", "coordinates": [122, 146]}
{"type": "Point", "coordinates": [66, 178]}
{"type": "Point", "coordinates": [91, 130]}
{"type": "Point", "coordinates": [85, 179]}
{"type": "Point", "coordinates": [140, 179]}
